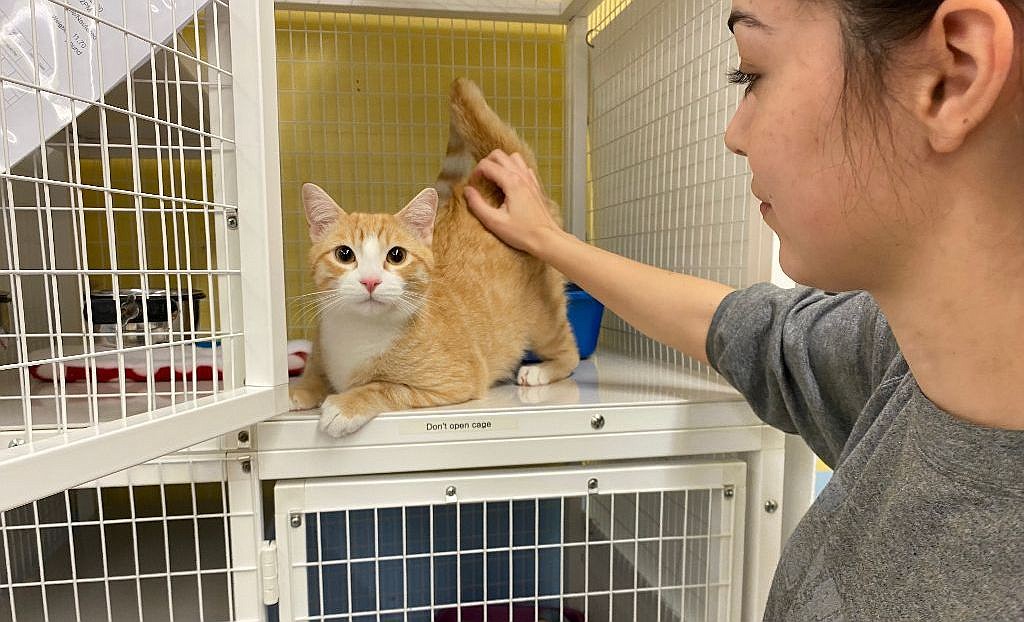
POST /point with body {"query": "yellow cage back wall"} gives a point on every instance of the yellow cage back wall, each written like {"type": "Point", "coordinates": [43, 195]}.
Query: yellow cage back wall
{"type": "Point", "coordinates": [363, 108]}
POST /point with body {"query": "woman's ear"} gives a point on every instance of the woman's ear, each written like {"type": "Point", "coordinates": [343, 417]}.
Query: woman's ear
{"type": "Point", "coordinates": [969, 46]}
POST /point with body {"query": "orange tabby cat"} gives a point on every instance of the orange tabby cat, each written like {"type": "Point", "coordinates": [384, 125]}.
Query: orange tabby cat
{"type": "Point", "coordinates": [425, 307]}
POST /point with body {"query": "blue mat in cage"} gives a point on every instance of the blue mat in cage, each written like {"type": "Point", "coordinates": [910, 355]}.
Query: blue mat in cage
{"type": "Point", "coordinates": [440, 561]}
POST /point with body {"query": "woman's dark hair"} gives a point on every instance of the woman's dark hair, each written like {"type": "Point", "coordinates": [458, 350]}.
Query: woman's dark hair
{"type": "Point", "coordinates": [873, 28]}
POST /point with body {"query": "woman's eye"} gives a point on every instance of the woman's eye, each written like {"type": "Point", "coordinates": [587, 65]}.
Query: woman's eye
{"type": "Point", "coordinates": [344, 254]}
{"type": "Point", "coordinates": [741, 77]}
{"type": "Point", "coordinates": [396, 255]}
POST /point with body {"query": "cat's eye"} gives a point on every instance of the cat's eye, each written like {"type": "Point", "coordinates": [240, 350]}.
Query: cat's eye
{"type": "Point", "coordinates": [396, 255]}
{"type": "Point", "coordinates": [344, 254]}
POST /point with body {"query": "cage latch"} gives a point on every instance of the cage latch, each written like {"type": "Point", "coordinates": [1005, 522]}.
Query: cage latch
{"type": "Point", "coordinates": [268, 566]}
{"type": "Point", "coordinates": [231, 217]}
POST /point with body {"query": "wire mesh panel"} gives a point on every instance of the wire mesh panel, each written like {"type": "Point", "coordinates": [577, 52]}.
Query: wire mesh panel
{"type": "Point", "coordinates": [108, 251]}
{"type": "Point", "coordinates": [364, 108]}
{"type": "Point", "coordinates": [664, 188]}
{"type": "Point", "coordinates": [153, 543]}
{"type": "Point", "coordinates": [120, 262]}
{"type": "Point", "coordinates": [643, 544]}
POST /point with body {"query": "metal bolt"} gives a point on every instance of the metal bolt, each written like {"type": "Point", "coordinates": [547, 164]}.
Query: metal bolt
{"type": "Point", "coordinates": [243, 437]}
{"type": "Point", "coordinates": [597, 422]}
{"type": "Point", "coordinates": [729, 492]}
{"type": "Point", "coordinates": [450, 491]}
{"type": "Point", "coordinates": [771, 505]}
{"type": "Point", "coordinates": [246, 466]}
{"type": "Point", "coordinates": [232, 218]}
{"type": "Point", "coordinates": [15, 442]}
{"type": "Point", "coordinates": [592, 485]}
{"type": "Point", "coordinates": [295, 519]}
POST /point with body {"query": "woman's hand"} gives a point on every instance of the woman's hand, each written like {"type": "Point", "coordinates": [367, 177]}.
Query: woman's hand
{"type": "Point", "coordinates": [673, 308]}
{"type": "Point", "coordinates": [524, 219]}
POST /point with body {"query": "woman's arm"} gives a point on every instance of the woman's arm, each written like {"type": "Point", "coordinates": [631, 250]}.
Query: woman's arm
{"type": "Point", "coordinates": [674, 309]}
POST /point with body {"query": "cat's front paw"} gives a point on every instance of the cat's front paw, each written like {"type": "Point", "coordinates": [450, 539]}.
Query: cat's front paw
{"type": "Point", "coordinates": [304, 399]}
{"type": "Point", "coordinates": [533, 375]}
{"type": "Point", "coordinates": [338, 419]}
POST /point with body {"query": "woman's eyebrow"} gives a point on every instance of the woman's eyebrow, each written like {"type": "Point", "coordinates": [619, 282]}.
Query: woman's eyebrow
{"type": "Point", "coordinates": [745, 19]}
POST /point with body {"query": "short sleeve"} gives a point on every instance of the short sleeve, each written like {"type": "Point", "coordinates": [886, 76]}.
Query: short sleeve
{"type": "Point", "coordinates": [806, 361]}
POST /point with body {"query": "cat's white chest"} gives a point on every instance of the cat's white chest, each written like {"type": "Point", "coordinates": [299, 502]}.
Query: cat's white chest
{"type": "Point", "coordinates": [348, 341]}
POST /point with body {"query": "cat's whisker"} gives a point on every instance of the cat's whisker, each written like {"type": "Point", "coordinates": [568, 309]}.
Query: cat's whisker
{"type": "Point", "coordinates": [337, 303]}
{"type": "Point", "coordinates": [416, 308]}
{"type": "Point", "coordinates": [411, 294]}
{"type": "Point", "coordinates": [318, 293]}
{"type": "Point", "coordinates": [313, 301]}
{"type": "Point", "coordinates": [312, 298]}
{"type": "Point", "coordinates": [407, 307]}
{"type": "Point", "coordinates": [312, 309]}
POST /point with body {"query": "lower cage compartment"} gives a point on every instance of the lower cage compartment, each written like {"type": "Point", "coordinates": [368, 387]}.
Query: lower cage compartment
{"type": "Point", "coordinates": [642, 542]}
{"type": "Point", "coordinates": [120, 553]}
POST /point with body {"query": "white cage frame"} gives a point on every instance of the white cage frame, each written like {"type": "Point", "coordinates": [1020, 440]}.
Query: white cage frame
{"type": "Point", "coordinates": [664, 414]}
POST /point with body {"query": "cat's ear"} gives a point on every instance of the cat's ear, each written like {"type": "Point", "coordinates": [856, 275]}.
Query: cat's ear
{"type": "Point", "coordinates": [419, 214]}
{"type": "Point", "coordinates": [321, 210]}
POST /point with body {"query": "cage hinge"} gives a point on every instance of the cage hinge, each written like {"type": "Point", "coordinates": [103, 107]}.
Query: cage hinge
{"type": "Point", "coordinates": [231, 217]}
{"type": "Point", "coordinates": [268, 567]}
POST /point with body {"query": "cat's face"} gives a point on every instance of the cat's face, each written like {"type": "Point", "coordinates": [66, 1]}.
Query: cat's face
{"type": "Point", "coordinates": [370, 264]}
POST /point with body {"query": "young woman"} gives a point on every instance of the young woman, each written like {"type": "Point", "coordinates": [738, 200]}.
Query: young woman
{"type": "Point", "coordinates": [886, 141]}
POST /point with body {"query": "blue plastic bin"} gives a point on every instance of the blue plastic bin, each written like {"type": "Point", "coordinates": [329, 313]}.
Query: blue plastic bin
{"type": "Point", "coordinates": [584, 317]}
{"type": "Point", "coordinates": [584, 313]}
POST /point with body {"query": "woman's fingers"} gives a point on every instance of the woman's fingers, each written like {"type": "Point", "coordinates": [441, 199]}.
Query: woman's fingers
{"type": "Point", "coordinates": [497, 172]}
{"type": "Point", "coordinates": [483, 210]}
{"type": "Point", "coordinates": [523, 217]}
{"type": "Point", "coordinates": [520, 163]}
{"type": "Point", "coordinates": [505, 169]}
{"type": "Point", "coordinates": [499, 156]}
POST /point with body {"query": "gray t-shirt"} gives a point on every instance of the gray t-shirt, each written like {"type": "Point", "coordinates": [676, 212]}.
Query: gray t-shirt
{"type": "Point", "coordinates": [923, 518]}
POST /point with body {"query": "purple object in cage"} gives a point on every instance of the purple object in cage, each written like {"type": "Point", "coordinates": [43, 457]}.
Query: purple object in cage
{"type": "Point", "coordinates": [520, 613]}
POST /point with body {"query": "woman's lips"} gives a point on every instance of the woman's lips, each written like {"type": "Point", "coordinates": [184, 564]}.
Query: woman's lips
{"type": "Point", "coordinates": [765, 208]}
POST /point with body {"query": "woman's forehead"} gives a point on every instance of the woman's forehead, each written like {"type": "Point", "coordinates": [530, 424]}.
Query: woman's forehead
{"type": "Point", "coordinates": [771, 16]}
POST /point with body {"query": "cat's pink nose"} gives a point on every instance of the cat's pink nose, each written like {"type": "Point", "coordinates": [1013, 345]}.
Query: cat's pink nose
{"type": "Point", "coordinates": [370, 284]}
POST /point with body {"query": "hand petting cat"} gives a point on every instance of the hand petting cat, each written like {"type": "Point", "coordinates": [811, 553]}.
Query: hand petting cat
{"type": "Point", "coordinates": [523, 220]}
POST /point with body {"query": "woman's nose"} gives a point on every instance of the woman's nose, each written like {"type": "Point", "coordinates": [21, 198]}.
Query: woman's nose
{"type": "Point", "coordinates": [735, 133]}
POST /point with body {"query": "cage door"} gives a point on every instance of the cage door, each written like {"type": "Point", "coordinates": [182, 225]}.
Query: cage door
{"type": "Point", "coordinates": [643, 543]}
{"type": "Point", "coordinates": [141, 287]}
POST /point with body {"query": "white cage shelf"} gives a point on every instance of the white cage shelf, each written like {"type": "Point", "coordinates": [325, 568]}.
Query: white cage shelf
{"type": "Point", "coordinates": [613, 407]}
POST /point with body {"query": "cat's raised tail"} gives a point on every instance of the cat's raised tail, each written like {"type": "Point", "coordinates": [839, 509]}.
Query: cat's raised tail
{"type": "Point", "coordinates": [474, 131]}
